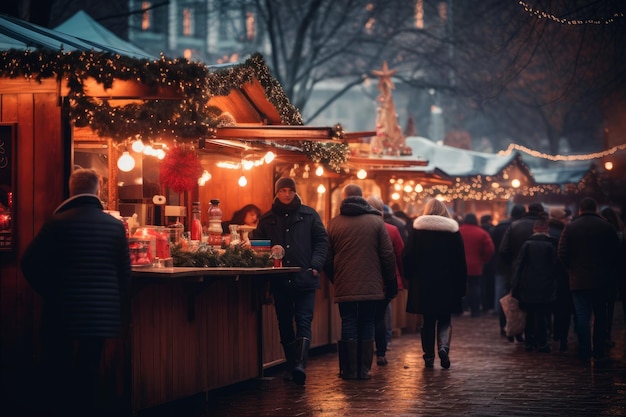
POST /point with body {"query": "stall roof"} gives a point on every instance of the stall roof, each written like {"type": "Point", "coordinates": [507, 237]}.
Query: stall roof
{"type": "Point", "coordinates": [457, 162]}
{"type": "Point", "coordinates": [19, 34]}
{"type": "Point", "coordinates": [85, 27]}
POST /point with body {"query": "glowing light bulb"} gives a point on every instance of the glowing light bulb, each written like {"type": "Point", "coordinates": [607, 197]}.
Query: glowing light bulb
{"type": "Point", "coordinates": [321, 189]}
{"type": "Point", "coordinates": [362, 174]}
{"type": "Point", "coordinates": [243, 181]}
{"type": "Point", "coordinates": [319, 171]}
{"type": "Point", "coordinates": [608, 165]}
{"type": "Point", "coordinates": [515, 183]}
{"type": "Point", "coordinates": [126, 162]}
{"type": "Point", "coordinates": [138, 146]}
{"type": "Point", "coordinates": [395, 196]}
{"type": "Point", "coordinates": [269, 157]}
{"type": "Point", "coordinates": [419, 188]}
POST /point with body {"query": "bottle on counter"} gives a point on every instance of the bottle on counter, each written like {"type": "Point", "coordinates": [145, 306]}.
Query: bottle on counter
{"type": "Point", "coordinates": [215, 224]}
{"type": "Point", "coordinates": [196, 224]}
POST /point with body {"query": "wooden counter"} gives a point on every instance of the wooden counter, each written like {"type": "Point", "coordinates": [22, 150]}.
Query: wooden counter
{"type": "Point", "coordinates": [193, 330]}
{"type": "Point", "coordinates": [203, 273]}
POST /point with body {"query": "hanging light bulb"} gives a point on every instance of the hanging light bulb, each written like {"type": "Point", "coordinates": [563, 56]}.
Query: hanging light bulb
{"type": "Point", "coordinates": [269, 157]}
{"type": "Point", "coordinates": [319, 171]}
{"type": "Point", "coordinates": [243, 181]}
{"type": "Point", "coordinates": [137, 146]}
{"type": "Point", "coordinates": [126, 162]}
{"type": "Point", "coordinates": [321, 189]}
{"type": "Point", "coordinates": [362, 174]}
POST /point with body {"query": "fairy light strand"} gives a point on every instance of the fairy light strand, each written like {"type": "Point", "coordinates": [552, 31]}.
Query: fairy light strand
{"type": "Point", "coordinates": [586, 157]}
{"type": "Point", "coordinates": [545, 15]}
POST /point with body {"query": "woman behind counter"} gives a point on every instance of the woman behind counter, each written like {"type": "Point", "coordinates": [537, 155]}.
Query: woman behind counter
{"type": "Point", "coordinates": [248, 215]}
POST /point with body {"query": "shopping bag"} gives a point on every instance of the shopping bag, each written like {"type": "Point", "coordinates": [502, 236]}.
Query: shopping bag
{"type": "Point", "coordinates": [515, 316]}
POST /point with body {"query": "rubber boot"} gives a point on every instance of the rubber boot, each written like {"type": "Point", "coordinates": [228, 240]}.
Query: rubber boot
{"type": "Point", "coordinates": [366, 356]}
{"type": "Point", "coordinates": [347, 358]}
{"type": "Point", "coordinates": [444, 333]}
{"type": "Point", "coordinates": [290, 356]}
{"type": "Point", "coordinates": [428, 347]}
{"type": "Point", "coordinates": [301, 354]}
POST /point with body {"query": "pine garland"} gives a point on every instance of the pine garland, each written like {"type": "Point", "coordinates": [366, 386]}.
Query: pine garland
{"type": "Point", "coordinates": [184, 120]}
{"type": "Point", "coordinates": [233, 256]}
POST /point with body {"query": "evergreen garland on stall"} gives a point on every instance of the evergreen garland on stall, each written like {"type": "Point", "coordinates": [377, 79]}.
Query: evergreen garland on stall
{"type": "Point", "coordinates": [184, 120]}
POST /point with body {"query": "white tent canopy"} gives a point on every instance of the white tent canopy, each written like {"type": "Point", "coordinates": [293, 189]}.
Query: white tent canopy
{"type": "Point", "coordinates": [83, 26]}
{"type": "Point", "coordinates": [21, 35]}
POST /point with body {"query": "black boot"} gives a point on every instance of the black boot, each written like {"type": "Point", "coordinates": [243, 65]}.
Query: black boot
{"type": "Point", "coordinates": [302, 352]}
{"type": "Point", "coordinates": [428, 346]}
{"type": "Point", "coordinates": [366, 356]}
{"type": "Point", "coordinates": [290, 356]}
{"type": "Point", "coordinates": [347, 358]}
{"type": "Point", "coordinates": [444, 333]}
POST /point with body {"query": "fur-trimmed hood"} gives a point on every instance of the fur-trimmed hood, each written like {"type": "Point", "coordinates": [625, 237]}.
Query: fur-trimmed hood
{"type": "Point", "coordinates": [434, 222]}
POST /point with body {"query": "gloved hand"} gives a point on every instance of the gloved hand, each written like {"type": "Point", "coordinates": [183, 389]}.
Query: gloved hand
{"type": "Point", "coordinates": [391, 289]}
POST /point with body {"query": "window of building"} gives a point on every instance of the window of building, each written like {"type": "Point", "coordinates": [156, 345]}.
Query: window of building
{"type": "Point", "coordinates": [188, 26]}
{"type": "Point", "coordinates": [146, 16]}
{"type": "Point", "coordinates": [250, 26]}
{"type": "Point", "coordinates": [419, 14]}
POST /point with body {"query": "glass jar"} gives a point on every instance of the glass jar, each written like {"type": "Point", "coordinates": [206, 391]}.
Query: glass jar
{"type": "Point", "coordinates": [159, 240]}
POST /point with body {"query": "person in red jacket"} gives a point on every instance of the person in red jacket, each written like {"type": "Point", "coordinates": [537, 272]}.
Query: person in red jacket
{"type": "Point", "coordinates": [383, 309]}
{"type": "Point", "coordinates": [478, 251]}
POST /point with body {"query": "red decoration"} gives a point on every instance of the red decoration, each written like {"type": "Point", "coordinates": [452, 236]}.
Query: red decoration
{"type": "Point", "coordinates": [180, 169]}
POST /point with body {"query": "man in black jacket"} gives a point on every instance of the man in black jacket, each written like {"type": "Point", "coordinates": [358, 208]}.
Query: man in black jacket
{"type": "Point", "coordinates": [299, 230]}
{"type": "Point", "coordinates": [589, 250]}
{"type": "Point", "coordinates": [79, 263]}
{"type": "Point", "coordinates": [502, 270]}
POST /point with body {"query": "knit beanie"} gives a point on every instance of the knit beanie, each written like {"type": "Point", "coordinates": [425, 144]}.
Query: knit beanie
{"type": "Point", "coordinates": [284, 182]}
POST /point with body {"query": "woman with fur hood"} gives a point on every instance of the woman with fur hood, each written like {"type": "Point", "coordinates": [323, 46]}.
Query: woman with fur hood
{"type": "Point", "coordinates": [435, 268]}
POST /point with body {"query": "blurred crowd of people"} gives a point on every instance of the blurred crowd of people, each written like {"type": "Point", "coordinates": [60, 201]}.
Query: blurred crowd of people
{"type": "Point", "coordinates": [565, 268]}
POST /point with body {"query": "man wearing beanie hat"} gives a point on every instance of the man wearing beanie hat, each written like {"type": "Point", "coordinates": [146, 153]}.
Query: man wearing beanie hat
{"type": "Point", "coordinates": [299, 230]}
{"type": "Point", "coordinates": [285, 182]}
{"type": "Point", "coordinates": [503, 272]}
{"type": "Point", "coordinates": [563, 308]}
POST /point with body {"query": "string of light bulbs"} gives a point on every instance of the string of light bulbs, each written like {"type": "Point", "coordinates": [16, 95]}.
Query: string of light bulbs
{"type": "Point", "coordinates": [586, 157]}
{"type": "Point", "coordinates": [545, 15]}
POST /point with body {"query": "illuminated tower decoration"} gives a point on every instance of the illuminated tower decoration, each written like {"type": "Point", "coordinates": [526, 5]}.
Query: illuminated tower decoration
{"type": "Point", "coordinates": [389, 139]}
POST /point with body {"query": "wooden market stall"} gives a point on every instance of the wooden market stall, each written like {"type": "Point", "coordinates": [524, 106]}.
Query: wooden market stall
{"type": "Point", "coordinates": [187, 334]}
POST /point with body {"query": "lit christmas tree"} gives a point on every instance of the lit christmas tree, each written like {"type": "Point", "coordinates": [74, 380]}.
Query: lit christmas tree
{"type": "Point", "coordinates": [389, 139]}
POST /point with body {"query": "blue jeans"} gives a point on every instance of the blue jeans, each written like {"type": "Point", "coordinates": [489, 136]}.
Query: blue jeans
{"type": "Point", "coordinates": [293, 306]}
{"type": "Point", "coordinates": [586, 303]}
{"type": "Point", "coordinates": [357, 320]}
{"type": "Point", "coordinates": [473, 294]}
{"type": "Point", "coordinates": [382, 327]}
{"type": "Point", "coordinates": [501, 288]}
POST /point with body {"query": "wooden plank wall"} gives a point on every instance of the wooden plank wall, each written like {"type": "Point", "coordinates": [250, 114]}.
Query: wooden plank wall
{"type": "Point", "coordinates": [176, 355]}
{"type": "Point", "coordinates": [38, 191]}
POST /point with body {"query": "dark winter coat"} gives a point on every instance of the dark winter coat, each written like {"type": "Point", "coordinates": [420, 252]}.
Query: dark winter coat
{"type": "Point", "coordinates": [434, 266]}
{"type": "Point", "coordinates": [562, 280]}
{"type": "Point", "coordinates": [497, 235]}
{"type": "Point", "coordinates": [360, 253]}
{"type": "Point", "coordinates": [589, 249]}
{"type": "Point", "coordinates": [536, 271]}
{"type": "Point", "coordinates": [515, 236]}
{"type": "Point", "coordinates": [300, 231]}
{"type": "Point", "coordinates": [79, 263]}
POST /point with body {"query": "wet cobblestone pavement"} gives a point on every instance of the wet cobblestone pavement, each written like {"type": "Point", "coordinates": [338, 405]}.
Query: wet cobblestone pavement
{"type": "Point", "coordinates": [489, 376]}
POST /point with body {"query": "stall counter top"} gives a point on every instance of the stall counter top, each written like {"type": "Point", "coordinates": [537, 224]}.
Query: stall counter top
{"type": "Point", "coordinates": [186, 272]}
